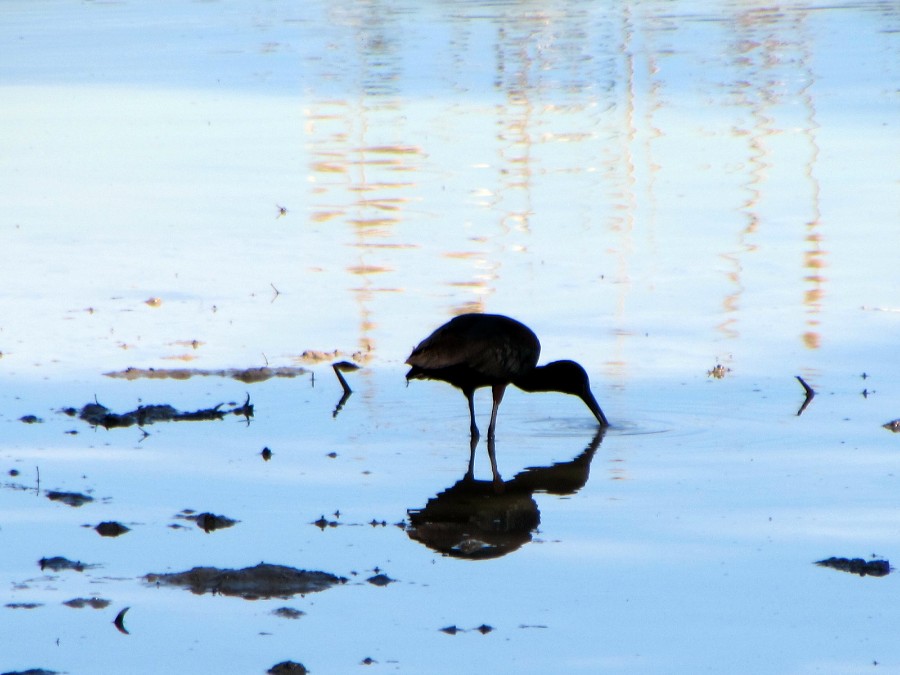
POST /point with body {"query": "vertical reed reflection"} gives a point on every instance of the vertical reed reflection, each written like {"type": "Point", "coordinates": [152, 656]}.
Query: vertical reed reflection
{"type": "Point", "coordinates": [814, 254]}
{"type": "Point", "coordinates": [621, 166]}
{"type": "Point", "coordinates": [362, 169]}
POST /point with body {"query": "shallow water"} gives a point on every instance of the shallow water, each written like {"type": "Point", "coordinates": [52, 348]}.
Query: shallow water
{"type": "Point", "coordinates": [655, 188]}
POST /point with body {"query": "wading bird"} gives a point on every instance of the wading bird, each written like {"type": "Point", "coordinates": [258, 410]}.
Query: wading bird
{"type": "Point", "coordinates": [489, 350]}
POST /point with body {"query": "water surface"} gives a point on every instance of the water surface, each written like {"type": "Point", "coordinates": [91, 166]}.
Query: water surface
{"type": "Point", "coordinates": [655, 188]}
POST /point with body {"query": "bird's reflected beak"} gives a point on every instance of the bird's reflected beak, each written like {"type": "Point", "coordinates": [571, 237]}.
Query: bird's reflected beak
{"type": "Point", "coordinates": [591, 403]}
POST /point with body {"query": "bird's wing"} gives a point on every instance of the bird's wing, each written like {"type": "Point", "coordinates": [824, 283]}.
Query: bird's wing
{"type": "Point", "coordinates": [493, 346]}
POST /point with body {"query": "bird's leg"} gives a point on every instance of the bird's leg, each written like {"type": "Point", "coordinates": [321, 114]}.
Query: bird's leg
{"type": "Point", "coordinates": [470, 474]}
{"type": "Point", "coordinates": [497, 390]}
{"type": "Point", "coordinates": [498, 481]}
{"type": "Point", "coordinates": [473, 428]}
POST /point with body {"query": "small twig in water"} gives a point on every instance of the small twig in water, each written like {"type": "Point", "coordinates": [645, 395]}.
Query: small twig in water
{"type": "Point", "coordinates": [347, 367]}
{"type": "Point", "coordinates": [810, 393]}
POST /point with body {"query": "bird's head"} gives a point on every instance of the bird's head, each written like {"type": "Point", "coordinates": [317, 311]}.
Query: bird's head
{"type": "Point", "coordinates": [566, 377]}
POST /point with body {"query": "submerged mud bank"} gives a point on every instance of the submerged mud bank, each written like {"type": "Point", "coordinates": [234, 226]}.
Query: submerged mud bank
{"type": "Point", "coordinates": [250, 583]}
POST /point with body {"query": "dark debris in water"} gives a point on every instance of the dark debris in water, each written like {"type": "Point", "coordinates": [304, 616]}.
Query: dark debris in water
{"type": "Point", "coordinates": [93, 603]}
{"type": "Point", "coordinates": [718, 371]}
{"type": "Point", "coordinates": [58, 564]}
{"type": "Point", "coordinates": [870, 568]}
{"type": "Point", "coordinates": [31, 419]}
{"type": "Point", "coordinates": [23, 605]}
{"type": "Point", "coordinates": [894, 426]}
{"type": "Point", "coordinates": [484, 629]}
{"type": "Point", "coordinates": [98, 415]}
{"type": "Point", "coordinates": [323, 522]}
{"type": "Point", "coordinates": [111, 528]}
{"type": "Point", "coordinates": [288, 613]}
{"type": "Point", "coordinates": [70, 498]}
{"type": "Point", "coordinates": [208, 522]}
{"type": "Point", "coordinates": [31, 671]}
{"type": "Point", "coordinates": [380, 580]}
{"type": "Point", "coordinates": [251, 583]}
{"type": "Point", "coordinates": [288, 668]}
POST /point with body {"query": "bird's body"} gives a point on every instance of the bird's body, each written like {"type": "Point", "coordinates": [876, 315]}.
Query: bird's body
{"type": "Point", "coordinates": [490, 350]}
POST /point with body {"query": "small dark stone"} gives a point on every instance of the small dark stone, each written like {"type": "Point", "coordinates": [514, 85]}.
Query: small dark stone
{"type": "Point", "coordinates": [451, 630]}
{"type": "Point", "coordinates": [380, 580]}
{"type": "Point", "coordinates": [30, 419]}
{"type": "Point", "coordinates": [111, 529]}
{"type": "Point", "coordinates": [288, 668]}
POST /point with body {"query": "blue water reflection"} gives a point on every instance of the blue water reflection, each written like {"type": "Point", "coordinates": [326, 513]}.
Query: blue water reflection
{"type": "Point", "coordinates": [666, 191]}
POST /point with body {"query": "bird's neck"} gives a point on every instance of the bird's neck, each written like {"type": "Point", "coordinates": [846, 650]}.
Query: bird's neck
{"type": "Point", "coordinates": [537, 379]}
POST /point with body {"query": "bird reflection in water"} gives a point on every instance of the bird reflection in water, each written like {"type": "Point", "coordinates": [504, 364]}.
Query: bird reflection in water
{"type": "Point", "coordinates": [481, 520]}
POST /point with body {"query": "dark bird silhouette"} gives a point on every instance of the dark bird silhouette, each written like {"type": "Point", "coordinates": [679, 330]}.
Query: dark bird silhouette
{"type": "Point", "coordinates": [489, 350]}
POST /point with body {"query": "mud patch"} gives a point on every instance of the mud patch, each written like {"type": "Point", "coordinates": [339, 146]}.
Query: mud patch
{"type": "Point", "coordinates": [98, 415]}
{"type": "Point", "coordinates": [250, 583]}
{"type": "Point", "coordinates": [111, 528]}
{"type": "Point", "coordinates": [93, 603]}
{"type": "Point", "coordinates": [287, 668]}
{"type": "Point", "coordinates": [58, 564]}
{"type": "Point", "coordinates": [208, 522]}
{"type": "Point", "coordinates": [864, 568]}
{"type": "Point", "coordinates": [288, 613]}
{"type": "Point", "coordinates": [380, 580]}
{"type": "Point", "coordinates": [71, 498]}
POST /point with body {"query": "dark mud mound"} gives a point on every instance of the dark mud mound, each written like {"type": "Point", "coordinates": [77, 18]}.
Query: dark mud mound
{"type": "Point", "coordinates": [111, 528]}
{"type": "Point", "coordinates": [287, 668]}
{"type": "Point", "coordinates": [210, 522]}
{"type": "Point", "coordinates": [98, 415]}
{"type": "Point", "coordinates": [75, 499]}
{"type": "Point", "coordinates": [864, 568]}
{"type": "Point", "coordinates": [250, 583]}
{"type": "Point", "coordinates": [58, 564]}
{"type": "Point", "coordinates": [81, 603]}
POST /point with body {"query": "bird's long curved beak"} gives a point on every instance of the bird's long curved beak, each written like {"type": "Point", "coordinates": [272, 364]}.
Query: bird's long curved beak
{"type": "Point", "coordinates": [591, 403]}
